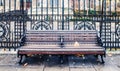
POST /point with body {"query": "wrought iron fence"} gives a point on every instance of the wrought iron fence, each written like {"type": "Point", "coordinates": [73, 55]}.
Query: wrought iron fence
{"type": "Point", "coordinates": [18, 16]}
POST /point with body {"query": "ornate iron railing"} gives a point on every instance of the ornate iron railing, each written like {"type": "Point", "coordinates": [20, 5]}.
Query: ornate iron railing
{"type": "Point", "coordinates": [18, 16]}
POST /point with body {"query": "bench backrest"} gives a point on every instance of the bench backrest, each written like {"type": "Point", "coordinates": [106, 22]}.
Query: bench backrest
{"type": "Point", "coordinates": [54, 37]}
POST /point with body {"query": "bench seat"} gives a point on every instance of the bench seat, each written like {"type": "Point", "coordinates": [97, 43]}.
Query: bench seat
{"type": "Point", "coordinates": [82, 46]}
{"type": "Point", "coordinates": [66, 51]}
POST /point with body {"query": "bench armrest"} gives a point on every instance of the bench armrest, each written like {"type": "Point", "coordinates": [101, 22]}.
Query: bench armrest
{"type": "Point", "coordinates": [22, 40]}
{"type": "Point", "coordinates": [99, 40]}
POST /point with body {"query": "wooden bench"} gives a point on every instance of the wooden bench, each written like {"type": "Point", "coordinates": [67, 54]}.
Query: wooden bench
{"type": "Point", "coordinates": [62, 43]}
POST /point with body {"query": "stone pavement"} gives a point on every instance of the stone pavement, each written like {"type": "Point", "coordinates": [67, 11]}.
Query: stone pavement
{"type": "Point", "coordinates": [9, 62]}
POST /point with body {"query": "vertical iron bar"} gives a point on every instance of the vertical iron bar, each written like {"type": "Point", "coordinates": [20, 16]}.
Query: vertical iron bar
{"type": "Point", "coordinates": [36, 9]}
{"type": "Point", "coordinates": [89, 7]}
{"type": "Point", "coordinates": [4, 44]}
{"type": "Point", "coordinates": [52, 13]}
{"type": "Point", "coordinates": [115, 24]}
{"type": "Point", "coordinates": [105, 23]}
{"type": "Point", "coordinates": [110, 25]}
{"type": "Point", "coordinates": [4, 6]}
{"type": "Point", "coordinates": [84, 14]}
{"type": "Point", "coordinates": [47, 12]}
{"type": "Point", "coordinates": [68, 15]}
{"type": "Point", "coordinates": [79, 14]}
{"type": "Point", "coordinates": [95, 7]}
{"type": "Point", "coordinates": [9, 25]}
{"type": "Point", "coordinates": [118, 41]}
{"type": "Point", "coordinates": [58, 16]}
{"type": "Point", "coordinates": [21, 22]}
{"type": "Point", "coordinates": [119, 32]}
{"type": "Point", "coordinates": [14, 16]}
{"type": "Point", "coordinates": [41, 14]}
{"type": "Point", "coordinates": [101, 23]}
{"type": "Point", "coordinates": [99, 6]}
{"type": "Point", "coordinates": [62, 14]}
{"type": "Point", "coordinates": [22, 5]}
{"type": "Point", "coordinates": [31, 16]}
{"type": "Point", "coordinates": [95, 15]}
{"type": "Point", "coordinates": [15, 25]}
{"type": "Point", "coordinates": [73, 3]}
{"type": "Point", "coordinates": [79, 7]}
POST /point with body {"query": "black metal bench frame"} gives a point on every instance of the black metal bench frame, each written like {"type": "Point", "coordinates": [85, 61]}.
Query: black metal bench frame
{"type": "Point", "coordinates": [60, 38]}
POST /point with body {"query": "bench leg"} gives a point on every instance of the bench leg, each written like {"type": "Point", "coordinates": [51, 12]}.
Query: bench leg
{"type": "Point", "coordinates": [96, 56]}
{"type": "Point", "coordinates": [22, 58]}
{"type": "Point", "coordinates": [61, 58]}
{"type": "Point", "coordinates": [102, 59]}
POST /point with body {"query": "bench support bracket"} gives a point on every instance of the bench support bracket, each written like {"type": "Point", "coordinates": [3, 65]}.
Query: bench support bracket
{"type": "Point", "coordinates": [102, 60]}
{"type": "Point", "coordinates": [22, 58]}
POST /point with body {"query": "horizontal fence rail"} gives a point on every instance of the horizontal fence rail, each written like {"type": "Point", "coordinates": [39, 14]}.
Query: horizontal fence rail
{"type": "Point", "coordinates": [18, 16]}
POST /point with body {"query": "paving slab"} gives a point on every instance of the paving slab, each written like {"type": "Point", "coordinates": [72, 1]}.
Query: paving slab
{"type": "Point", "coordinates": [8, 60]}
{"type": "Point", "coordinates": [112, 64]}
{"type": "Point", "coordinates": [56, 69]}
{"type": "Point", "coordinates": [8, 68]}
{"type": "Point", "coordinates": [53, 63]}
{"type": "Point", "coordinates": [82, 69]}
{"type": "Point", "coordinates": [81, 62]}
